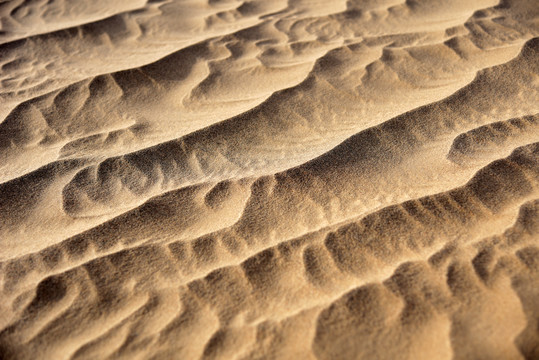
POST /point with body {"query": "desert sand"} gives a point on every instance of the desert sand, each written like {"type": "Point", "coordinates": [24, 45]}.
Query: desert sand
{"type": "Point", "coordinates": [299, 179]}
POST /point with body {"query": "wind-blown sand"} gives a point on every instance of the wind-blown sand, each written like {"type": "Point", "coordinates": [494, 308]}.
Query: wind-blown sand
{"type": "Point", "coordinates": [301, 179]}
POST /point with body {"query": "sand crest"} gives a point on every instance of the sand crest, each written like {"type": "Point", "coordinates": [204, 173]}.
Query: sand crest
{"type": "Point", "coordinates": [301, 179]}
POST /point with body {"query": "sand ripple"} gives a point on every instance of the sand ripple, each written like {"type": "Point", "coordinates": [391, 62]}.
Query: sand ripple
{"type": "Point", "coordinates": [257, 179]}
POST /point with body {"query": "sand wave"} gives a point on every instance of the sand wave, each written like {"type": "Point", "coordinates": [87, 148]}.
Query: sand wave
{"type": "Point", "coordinates": [301, 179]}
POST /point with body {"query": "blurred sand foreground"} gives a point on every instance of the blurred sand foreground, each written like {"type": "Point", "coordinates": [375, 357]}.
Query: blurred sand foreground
{"type": "Point", "coordinates": [269, 179]}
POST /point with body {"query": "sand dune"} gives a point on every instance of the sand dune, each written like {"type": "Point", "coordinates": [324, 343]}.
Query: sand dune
{"type": "Point", "coordinates": [298, 179]}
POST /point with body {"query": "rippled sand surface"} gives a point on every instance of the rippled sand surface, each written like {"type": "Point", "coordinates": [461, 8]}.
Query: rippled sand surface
{"type": "Point", "coordinates": [300, 179]}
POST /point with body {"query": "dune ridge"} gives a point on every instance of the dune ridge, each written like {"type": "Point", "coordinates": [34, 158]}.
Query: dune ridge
{"type": "Point", "coordinates": [269, 179]}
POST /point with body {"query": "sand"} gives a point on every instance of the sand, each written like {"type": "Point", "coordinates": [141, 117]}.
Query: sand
{"type": "Point", "coordinates": [300, 179]}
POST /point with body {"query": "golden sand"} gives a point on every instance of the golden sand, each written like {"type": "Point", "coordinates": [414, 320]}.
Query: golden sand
{"type": "Point", "coordinates": [269, 179]}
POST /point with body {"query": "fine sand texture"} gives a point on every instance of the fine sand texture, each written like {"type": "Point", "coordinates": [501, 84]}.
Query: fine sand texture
{"type": "Point", "coordinates": [269, 179]}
